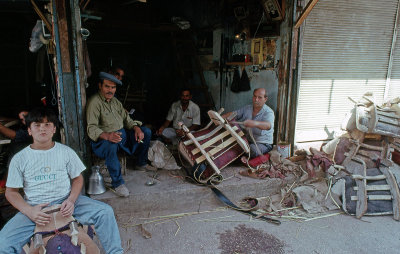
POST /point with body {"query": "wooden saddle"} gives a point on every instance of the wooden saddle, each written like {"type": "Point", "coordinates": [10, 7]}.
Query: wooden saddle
{"type": "Point", "coordinates": [213, 147]}
{"type": "Point", "coordinates": [61, 235]}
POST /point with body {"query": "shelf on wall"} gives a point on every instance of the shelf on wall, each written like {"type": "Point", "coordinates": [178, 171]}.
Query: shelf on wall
{"type": "Point", "coordinates": [239, 63]}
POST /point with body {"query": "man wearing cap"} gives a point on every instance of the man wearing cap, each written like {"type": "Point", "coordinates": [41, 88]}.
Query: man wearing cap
{"type": "Point", "coordinates": [110, 129]}
{"type": "Point", "coordinates": [260, 119]}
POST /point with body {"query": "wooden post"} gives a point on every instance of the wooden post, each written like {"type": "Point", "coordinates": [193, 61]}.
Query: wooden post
{"type": "Point", "coordinates": [305, 13]}
{"type": "Point", "coordinates": [69, 69]}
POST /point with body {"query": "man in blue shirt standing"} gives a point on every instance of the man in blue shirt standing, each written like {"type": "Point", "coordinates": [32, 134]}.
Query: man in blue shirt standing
{"type": "Point", "coordinates": [259, 118]}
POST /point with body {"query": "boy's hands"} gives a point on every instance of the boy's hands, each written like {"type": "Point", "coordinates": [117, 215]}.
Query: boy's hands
{"type": "Point", "coordinates": [67, 208]}
{"type": "Point", "coordinates": [37, 216]}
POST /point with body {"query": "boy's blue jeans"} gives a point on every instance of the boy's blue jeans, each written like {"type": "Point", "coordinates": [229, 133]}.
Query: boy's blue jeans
{"type": "Point", "coordinates": [109, 151]}
{"type": "Point", "coordinates": [18, 231]}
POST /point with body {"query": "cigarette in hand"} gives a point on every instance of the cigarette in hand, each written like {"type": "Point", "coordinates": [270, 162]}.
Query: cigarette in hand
{"type": "Point", "coordinates": [140, 141]}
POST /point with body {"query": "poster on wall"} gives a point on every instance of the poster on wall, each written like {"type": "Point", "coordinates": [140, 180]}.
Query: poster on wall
{"type": "Point", "coordinates": [273, 9]}
{"type": "Point", "coordinates": [257, 51]}
{"type": "Point", "coordinates": [269, 49]}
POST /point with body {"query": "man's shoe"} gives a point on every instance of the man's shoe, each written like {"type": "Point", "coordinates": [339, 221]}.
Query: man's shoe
{"type": "Point", "coordinates": [122, 191]}
{"type": "Point", "coordinates": [146, 167]}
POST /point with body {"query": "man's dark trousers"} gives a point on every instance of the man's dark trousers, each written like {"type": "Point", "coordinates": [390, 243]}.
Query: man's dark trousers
{"type": "Point", "coordinates": [109, 151]}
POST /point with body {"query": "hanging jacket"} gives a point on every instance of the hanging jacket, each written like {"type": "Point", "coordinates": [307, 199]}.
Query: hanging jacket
{"type": "Point", "coordinates": [235, 86]}
{"type": "Point", "coordinates": [244, 82]}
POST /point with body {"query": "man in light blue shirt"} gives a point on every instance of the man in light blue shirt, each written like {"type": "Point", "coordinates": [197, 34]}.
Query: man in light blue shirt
{"type": "Point", "coordinates": [259, 118]}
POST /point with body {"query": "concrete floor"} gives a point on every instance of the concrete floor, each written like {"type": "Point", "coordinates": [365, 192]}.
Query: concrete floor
{"type": "Point", "coordinates": [208, 227]}
{"type": "Point", "coordinates": [231, 232]}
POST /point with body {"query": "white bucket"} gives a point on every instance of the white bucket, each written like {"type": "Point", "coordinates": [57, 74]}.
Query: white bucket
{"type": "Point", "coordinates": [284, 149]}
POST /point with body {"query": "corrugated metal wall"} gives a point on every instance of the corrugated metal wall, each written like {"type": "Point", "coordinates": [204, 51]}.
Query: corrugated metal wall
{"type": "Point", "coordinates": [394, 89]}
{"type": "Point", "coordinates": [346, 47]}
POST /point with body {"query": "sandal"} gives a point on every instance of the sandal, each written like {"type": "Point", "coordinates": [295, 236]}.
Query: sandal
{"type": "Point", "coordinates": [249, 173]}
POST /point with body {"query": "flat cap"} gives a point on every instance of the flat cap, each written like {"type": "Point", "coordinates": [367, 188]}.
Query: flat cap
{"type": "Point", "coordinates": [110, 77]}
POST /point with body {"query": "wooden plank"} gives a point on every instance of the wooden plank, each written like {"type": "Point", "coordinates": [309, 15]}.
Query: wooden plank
{"type": "Point", "coordinates": [349, 155]}
{"type": "Point", "coordinates": [213, 141]}
{"type": "Point", "coordinates": [388, 120]}
{"type": "Point", "coordinates": [42, 17]}
{"type": "Point", "coordinates": [231, 140]}
{"type": "Point", "coordinates": [205, 136]}
{"type": "Point", "coordinates": [361, 206]}
{"type": "Point", "coordinates": [63, 33]}
{"type": "Point", "coordinates": [305, 13]}
{"type": "Point", "coordinates": [375, 187]}
{"type": "Point", "coordinates": [378, 177]}
{"type": "Point", "coordinates": [391, 115]}
{"type": "Point", "coordinates": [369, 154]}
{"type": "Point", "coordinates": [207, 157]}
{"type": "Point", "coordinates": [394, 190]}
{"type": "Point", "coordinates": [372, 136]}
{"type": "Point", "coordinates": [238, 138]}
{"type": "Point", "coordinates": [362, 203]}
{"type": "Point", "coordinates": [374, 197]}
{"type": "Point", "coordinates": [377, 148]}
{"type": "Point", "coordinates": [211, 122]}
{"type": "Point", "coordinates": [216, 118]}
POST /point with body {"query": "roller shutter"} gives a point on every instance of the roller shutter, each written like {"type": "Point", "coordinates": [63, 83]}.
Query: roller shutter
{"type": "Point", "coordinates": [345, 53]}
{"type": "Point", "coordinates": [394, 85]}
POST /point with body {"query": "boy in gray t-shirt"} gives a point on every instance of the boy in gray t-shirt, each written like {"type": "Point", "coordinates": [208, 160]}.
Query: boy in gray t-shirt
{"type": "Point", "coordinates": [50, 173]}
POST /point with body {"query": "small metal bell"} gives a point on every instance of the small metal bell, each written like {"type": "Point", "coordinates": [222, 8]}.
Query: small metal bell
{"type": "Point", "coordinates": [96, 182]}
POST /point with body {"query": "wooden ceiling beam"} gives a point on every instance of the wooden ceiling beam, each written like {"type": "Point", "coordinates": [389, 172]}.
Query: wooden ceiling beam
{"type": "Point", "coordinates": [305, 13]}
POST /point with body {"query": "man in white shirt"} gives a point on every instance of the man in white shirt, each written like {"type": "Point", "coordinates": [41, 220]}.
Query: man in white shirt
{"type": "Point", "coordinates": [185, 111]}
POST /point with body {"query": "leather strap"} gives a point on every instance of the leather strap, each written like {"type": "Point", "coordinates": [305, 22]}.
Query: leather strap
{"type": "Point", "coordinates": [229, 203]}
{"type": "Point", "coordinates": [196, 173]}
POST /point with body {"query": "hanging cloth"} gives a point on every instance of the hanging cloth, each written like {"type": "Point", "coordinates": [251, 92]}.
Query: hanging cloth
{"type": "Point", "coordinates": [244, 84]}
{"type": "Point", "coordinates": [235, 87]}
{"type": "Point", "coordinates": [41, 58]}
{"type": "Point", "coordinates": [86, 59]}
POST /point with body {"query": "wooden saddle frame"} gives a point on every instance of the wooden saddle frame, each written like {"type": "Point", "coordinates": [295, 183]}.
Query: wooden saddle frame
{"type": "Point", "coordinates": [222, 137]}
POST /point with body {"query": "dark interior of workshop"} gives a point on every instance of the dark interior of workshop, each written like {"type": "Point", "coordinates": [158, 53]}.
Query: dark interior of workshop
{"type": "Point", "coordinates": [140, 36]}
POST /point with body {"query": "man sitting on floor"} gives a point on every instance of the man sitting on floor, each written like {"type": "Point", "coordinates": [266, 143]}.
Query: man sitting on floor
{"type": "Point", "coordinates": [185, 111]}
{"type": "Point", "coordinates": [110, 129]}
{"type": "Point", "coordinates": [50, 173]}
{"type": "Point", "coordinates": [260, 119]}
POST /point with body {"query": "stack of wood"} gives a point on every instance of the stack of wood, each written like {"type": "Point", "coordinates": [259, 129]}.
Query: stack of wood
{"type": "Point", "coordinates": [364, 156]}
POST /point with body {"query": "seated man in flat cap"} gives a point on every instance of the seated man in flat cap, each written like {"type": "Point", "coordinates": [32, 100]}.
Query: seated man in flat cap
{"type": "Point", "coordinates": [110, 129]}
